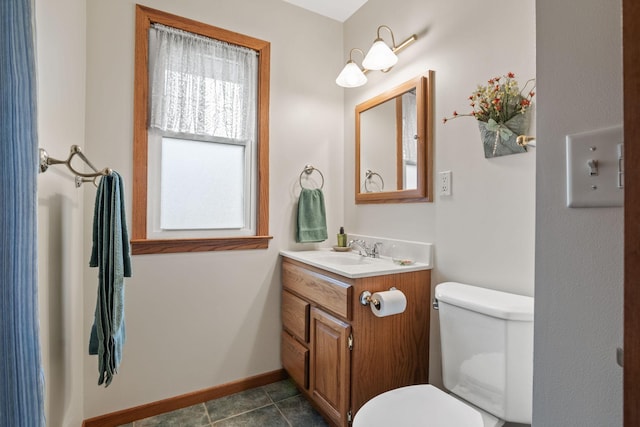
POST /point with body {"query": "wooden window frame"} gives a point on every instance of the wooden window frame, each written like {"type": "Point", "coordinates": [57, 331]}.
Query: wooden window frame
{"type": "Point", "coordinates": [139, 243]}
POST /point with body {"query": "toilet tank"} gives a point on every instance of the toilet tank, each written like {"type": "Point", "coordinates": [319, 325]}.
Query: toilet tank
{"type": "Point", "coordinates": [487, 348]}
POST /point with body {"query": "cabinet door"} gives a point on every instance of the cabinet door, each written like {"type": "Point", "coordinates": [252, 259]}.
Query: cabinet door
{"type": "Point", "coordinates": [330, 367]}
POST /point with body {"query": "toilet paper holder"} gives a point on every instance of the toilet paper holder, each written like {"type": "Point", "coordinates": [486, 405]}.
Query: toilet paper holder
{"type": "Point", "coordinates": [366, 298]}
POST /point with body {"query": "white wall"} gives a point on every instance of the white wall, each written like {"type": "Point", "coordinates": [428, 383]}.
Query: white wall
{"type": "Point", "coordinates": [202, 319]}
{"type": "Point", "coordinates": [198, 320]}
{"type": "Point", "coordinates": [484, 232]}
{"type": "Point", "coordinates": [61, 91]}
{"type": "Point", "coordinates": [579, 252]}
{"type": "Point", "coordinates": [193, 320]}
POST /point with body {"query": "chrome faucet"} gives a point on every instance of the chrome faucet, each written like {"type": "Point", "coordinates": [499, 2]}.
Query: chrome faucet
{"type": "Point", "coordinates": [361, 244]}
{"type": "Point", "coordinates": [366, 250]}
{"type": "Point", "coordinates": [375, 252]}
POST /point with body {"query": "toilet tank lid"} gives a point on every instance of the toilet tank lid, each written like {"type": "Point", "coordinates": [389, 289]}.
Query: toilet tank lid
{"type": "Point", "coordinates": [487, 301]}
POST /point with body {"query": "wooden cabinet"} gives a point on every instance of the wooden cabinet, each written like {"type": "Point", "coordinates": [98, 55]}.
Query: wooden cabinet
{"type": "Point", "coordinates": [338, 353]}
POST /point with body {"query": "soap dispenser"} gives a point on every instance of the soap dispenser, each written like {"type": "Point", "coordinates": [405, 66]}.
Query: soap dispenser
{"type": "Point", "coordinates": [342, 238]}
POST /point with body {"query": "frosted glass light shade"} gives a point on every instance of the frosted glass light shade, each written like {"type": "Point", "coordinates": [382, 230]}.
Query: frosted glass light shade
{"type": "Point", "coordinates": [379, 57]}
{"type": "Point", "coordinates": [351, 76]}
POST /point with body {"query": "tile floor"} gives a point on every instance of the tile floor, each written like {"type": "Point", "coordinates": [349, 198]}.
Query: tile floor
{"type": "Point", "coordinates": [275, 405]}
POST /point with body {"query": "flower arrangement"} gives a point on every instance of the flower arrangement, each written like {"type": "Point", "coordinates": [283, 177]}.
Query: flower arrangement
{"type": "Point", "coordinates": [500, 100]}
{"type": "Point", "coordinates": [500, 108]}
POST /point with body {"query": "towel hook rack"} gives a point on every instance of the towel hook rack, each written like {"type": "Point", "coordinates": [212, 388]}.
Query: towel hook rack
{"type": "Point", "coordinates": [80, 177]}
{"type": "Point", "coordinates": [308, 169]}
{"type": "Point", "coordinates": [369, 177]}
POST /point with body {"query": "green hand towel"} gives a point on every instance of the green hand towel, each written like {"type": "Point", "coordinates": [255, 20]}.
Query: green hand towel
{"type": "Point", "coordinates": [312, 219]}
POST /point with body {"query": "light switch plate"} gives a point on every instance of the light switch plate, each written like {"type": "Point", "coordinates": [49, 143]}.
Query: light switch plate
{"type": "Point", "coordinates": [592, 168]}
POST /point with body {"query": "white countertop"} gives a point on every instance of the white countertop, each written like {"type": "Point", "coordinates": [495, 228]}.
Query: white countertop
{"type": "Point", "coordinates": [351, 264]}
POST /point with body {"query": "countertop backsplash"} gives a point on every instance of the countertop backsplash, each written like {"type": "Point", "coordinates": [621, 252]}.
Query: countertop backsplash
{"type": "Point", "coordinates": [392, 248]}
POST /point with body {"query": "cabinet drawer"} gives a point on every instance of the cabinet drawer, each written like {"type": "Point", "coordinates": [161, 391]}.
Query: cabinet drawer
{"type": "Point", "coordinates": [324, 291]}
{"type": "Point", "coordinates": [295, 316]}
{"type": "Point", "coordinates": [295, 360]}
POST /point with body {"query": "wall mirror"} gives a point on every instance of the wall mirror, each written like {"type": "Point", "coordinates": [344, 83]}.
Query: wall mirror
{"type": "Point", "coordinates": [394, 144]}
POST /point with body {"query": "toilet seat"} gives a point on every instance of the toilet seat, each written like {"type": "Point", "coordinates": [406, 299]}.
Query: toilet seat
{"type": "Point", "coordinates": [416, 406]}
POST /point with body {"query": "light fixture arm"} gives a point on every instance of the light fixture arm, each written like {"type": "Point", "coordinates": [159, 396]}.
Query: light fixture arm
{"type": "Point", "coordinates": [393, 39]}
{"type": "Point", "coordinates": [351, 53]}
{"type": "Point", "coordinates": [397, 48]}
{"type": "Point", "coordinates": [407, 42]}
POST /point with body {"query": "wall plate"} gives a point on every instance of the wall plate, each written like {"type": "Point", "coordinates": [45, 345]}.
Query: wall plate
{"type": "Point", "coordinates": [593, 162]}
{"type": "Point", "coordinates": [444, 183]}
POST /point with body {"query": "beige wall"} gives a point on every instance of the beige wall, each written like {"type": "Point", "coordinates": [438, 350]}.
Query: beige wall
{"type": "Point", "coordinates": [198, 320]}
{"type": "Point", "coordinates": [579, 252]}
{"type": "Point", "coordinates": [193, 320]}
{"type": "Point", "coordinates": [484, 232]}
{"type": "Point", "coordinates": [202, 319]}
{"type": "Point", "coordinates": [61, 93]}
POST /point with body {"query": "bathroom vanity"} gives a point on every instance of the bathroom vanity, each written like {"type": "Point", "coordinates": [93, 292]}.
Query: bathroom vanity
{"type": "Point", "coordinates": [336, 350]}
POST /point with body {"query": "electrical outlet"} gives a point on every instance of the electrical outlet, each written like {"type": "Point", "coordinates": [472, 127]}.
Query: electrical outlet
{"type": "Point", "coordinates": [444, 183]}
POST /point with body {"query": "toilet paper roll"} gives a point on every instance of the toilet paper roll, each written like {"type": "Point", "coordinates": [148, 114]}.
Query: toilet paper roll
{"type": "Point", "coordinates": [390, 302]}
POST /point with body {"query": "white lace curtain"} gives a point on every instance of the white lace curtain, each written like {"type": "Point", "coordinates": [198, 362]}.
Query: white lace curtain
{"type": "Point", "coordinates": [201, 86]}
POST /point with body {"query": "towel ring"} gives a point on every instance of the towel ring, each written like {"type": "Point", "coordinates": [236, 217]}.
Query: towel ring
{"type": "Point", "coordinates": [368, 176]}
{"type": "Point", "coordinates": [308, 169]}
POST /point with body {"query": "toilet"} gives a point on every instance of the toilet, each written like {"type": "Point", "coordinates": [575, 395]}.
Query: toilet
{"type": "Point", "coordinates": [487, 366]}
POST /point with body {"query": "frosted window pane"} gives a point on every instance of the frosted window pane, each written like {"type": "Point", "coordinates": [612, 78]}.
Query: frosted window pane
{"type": "Point", "coordinates": [410, 177]}
{"type": "Point", "coordinates": [202, 185]}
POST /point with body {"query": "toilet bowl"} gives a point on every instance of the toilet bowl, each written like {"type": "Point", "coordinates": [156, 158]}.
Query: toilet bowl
{"type": "Point", "coordinates": [487, 365]}
{"type": "Point", "coordinates": [421, 406]}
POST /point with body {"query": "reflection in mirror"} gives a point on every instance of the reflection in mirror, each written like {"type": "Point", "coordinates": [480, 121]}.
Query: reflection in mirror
{"type": "Point", "coordinates": [389, 131]}
{"type": "Point", "coordinates": [408, 173]}
{"type": "Point", "coordinates": [393, 145]}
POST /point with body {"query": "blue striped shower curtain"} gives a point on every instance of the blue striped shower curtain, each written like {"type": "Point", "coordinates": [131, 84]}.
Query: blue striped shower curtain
{"type": "Point", "coordinates": [21, 383]}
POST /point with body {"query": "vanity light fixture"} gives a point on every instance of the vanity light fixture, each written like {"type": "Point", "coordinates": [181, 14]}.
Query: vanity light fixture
{"type": "Point", "coordinates": [380, 57]}
{"type": "Point", "coordinates": [351, 75]}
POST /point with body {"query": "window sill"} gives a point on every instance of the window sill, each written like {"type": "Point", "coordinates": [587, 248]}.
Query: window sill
{"type": "Point", "coordinates": [168, 246]}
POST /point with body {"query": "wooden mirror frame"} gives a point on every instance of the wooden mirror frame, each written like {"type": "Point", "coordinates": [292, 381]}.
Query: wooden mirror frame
{"type": "Point", "coordinates": [424, 104]}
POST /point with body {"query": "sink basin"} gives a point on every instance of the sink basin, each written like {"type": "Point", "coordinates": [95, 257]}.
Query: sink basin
{"type": "Point", "coordinates": [351, 264]}
{"type": "Point", "coordinates": [343, 259]}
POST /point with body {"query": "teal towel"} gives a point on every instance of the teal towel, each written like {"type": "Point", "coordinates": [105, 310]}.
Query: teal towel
{"type": "Point", "coordinates": [312, 219]}
{"type": "Point", "coordinates": [111, 254]}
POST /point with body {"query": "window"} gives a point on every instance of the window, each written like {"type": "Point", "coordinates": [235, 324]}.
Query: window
{"type": "Point", "coordinates": [200, 137]}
